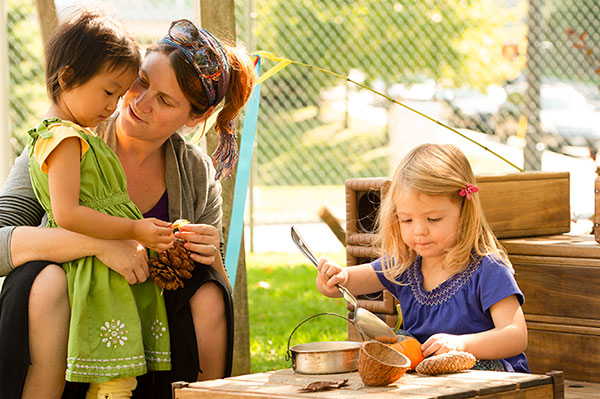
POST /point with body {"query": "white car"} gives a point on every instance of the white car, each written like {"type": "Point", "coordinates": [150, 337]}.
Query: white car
{"type": "Point", "coordinates": [566, 117]}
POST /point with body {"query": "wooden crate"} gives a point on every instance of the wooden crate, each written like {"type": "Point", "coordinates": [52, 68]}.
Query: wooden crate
{"type": "Point", "coordinates": [560, 278]}
{"type": "Point", "coordinates": [516, 204]}
{"type": "Point", "coordinates": [526, 204]}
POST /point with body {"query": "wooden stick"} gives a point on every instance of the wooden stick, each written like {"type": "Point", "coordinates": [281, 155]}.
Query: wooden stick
{"type": "Point", "coordinates": [333, 223]}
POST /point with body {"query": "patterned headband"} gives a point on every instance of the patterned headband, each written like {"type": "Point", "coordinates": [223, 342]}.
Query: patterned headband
{"type": "Point", "coordinates": [205, 53]}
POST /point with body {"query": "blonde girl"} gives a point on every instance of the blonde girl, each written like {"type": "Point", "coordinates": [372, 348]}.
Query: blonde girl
{"type": "Point", "coordinates": [442, 262]}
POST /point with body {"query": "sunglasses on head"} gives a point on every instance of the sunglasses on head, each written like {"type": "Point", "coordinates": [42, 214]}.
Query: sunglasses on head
{"type": "Point", "coordinates": [206, 60]}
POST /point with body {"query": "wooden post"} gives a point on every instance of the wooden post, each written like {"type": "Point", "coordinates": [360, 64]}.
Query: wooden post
{"type": "Point", "coordinates": [597, 210]}
{"type": "Point", "coordinates": [5, 146]}
{"type": "Point", "coordinates": [532, 156]}
{"type": "Point", "coordinates": [47, 18]}
{"type": "Point", "coordinates": [218, 17]}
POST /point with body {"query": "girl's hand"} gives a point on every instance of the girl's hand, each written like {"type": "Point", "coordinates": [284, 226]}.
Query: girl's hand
{"type": "Point", "coordinates": [202, 240]}
{"type": "Point", "coordinates": [153, 233]}
{"type": "Point", "coordinates": [329, 275]}
{"type": "Point", "coordinates": [442, 343]}
{"type": "Point", "coordinates": [126, 257]}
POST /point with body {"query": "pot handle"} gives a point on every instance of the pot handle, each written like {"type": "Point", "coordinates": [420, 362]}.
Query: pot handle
{"type": "Point", "coordinates": [288, 354]}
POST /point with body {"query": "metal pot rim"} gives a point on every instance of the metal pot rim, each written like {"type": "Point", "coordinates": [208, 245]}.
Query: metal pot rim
{"type": "Point", "coordinates": [326, 346]}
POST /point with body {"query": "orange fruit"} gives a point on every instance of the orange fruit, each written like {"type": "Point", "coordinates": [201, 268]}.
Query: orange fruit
{"type": "Point", "coordinates": [410, 347]}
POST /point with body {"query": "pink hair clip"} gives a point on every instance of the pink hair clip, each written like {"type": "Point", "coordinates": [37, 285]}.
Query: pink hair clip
{"type": "Point", "coordinates": [466, 192]}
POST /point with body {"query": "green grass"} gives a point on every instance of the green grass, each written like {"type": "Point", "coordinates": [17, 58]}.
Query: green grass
{"type": "Point", "coordinates": [281, 294]}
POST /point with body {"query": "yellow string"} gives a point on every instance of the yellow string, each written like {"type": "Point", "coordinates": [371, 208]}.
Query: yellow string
{"type": "Point", "coordinates": [282, 62]}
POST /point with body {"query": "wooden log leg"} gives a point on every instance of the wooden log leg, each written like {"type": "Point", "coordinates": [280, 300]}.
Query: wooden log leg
{"type": "Point", "coordinates": [557, 383]}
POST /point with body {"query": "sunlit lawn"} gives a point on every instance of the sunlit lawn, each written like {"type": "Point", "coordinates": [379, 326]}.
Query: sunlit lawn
{"type": "Point", "coordinates": [281, 294]}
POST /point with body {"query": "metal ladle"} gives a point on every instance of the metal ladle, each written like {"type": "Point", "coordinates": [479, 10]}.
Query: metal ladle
{"type": "Point", "coordinates": [366, 322]}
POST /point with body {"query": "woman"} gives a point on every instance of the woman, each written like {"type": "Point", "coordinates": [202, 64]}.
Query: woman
{"type": "Point", "coordinates": [182, 79]}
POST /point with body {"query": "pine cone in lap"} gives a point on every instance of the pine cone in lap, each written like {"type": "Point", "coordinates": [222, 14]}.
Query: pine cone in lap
{"type": "Point", "coordinates": [169, 268]}
{"type": "Point", "coordinates": [449, 362]}
{"type": "Point", "coordinates": [163, 275]}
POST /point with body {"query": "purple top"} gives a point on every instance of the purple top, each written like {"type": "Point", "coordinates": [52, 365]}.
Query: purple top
{"type": "Point", "coordinates": [161, 209]}
{"type": "Point", "coordinates": [460, 305]}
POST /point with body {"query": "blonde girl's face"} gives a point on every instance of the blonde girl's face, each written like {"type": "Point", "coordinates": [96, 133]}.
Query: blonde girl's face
{"type": "Point", "coordinates": [428, 224]}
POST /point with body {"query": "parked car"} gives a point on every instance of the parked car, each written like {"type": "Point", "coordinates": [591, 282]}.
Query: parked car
{"type": "Point", "coordinates": [566, 117]}
{"type": "Point", "coordinates": [473, 109]}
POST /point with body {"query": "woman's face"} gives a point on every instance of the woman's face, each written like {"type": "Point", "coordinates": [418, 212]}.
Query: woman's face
{"type": "Point", "coordinates": [154, 107]}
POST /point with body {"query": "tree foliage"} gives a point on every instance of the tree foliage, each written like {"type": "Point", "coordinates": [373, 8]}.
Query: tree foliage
{"type": "Point", "coordinates": [566, 55]}
{"type": "Point", "coordinates": [455, 41]}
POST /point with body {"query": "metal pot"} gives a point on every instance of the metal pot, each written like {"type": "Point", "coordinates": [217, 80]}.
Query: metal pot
{"type": "Point", "coordinates": [330, 357]}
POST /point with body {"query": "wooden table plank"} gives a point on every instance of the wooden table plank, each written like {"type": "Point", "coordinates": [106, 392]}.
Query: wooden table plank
{"type": "Point", "coordinates": [581, 390]}
{"type": "Point", "coordinates": [477, 384]}
{"type": "Point", "coordinates": [285, 384]}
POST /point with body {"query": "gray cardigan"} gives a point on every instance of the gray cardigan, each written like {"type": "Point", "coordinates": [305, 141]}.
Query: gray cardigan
{"type": "Point", "coordinates": [191, 187]}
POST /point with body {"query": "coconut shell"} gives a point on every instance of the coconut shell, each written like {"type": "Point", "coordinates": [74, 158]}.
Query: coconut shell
{"type": "Point", "coordinates": [380, 364]}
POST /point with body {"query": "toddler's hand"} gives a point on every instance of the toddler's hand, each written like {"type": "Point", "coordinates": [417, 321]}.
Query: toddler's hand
{"type": "Point", "coordinates": [153, 233]}
{"type": "Point", "coordinates": [442, 343]}
{"type": "Point", "coordinates": [329, 275]}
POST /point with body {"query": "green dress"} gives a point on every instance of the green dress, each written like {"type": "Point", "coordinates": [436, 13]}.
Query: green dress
{"type": "Point", "coordinates": [116, 330]}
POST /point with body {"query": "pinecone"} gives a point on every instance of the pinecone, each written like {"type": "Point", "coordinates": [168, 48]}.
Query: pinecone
{"type": "Point", "coordinates": [449, 362]}
{"type": "Point", "coordinates": [169, 268]}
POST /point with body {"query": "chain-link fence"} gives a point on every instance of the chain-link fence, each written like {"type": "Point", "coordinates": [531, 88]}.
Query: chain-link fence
{"type": "Point", "coordinates": [467, 63]}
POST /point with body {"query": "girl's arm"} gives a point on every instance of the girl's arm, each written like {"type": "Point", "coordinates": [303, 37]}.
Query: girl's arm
{"type": "Point", "coordinates": [359, 280]}
{"type": "Point", "coordinates": [125, 257]}
{"type": "Point", "coordinates": [508, 337]}
{"type": "Point", "coordinates": [64, 184]}
{"type": "Point", "coordinates": [22, 241]}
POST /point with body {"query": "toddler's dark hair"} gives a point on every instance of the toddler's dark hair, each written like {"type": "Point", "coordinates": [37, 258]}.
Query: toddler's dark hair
{"type": "Point", "coordinates": [87, 43]}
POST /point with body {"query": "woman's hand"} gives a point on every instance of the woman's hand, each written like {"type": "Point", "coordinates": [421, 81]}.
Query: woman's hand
{"type": "Point", "coordinates": [126, 257]}
{"type": "Point", "coordinates": [153, 233]}
{"type": "Point", "coordinates": [329, 275]}
{"type": "Point", "coordinates": [442, 343]}
{"type": "Point", "coordinates": [202, 240]}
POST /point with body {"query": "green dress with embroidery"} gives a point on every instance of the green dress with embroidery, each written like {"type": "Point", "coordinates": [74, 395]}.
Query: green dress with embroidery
{"type": "Point", "coordinates": [116, 329]}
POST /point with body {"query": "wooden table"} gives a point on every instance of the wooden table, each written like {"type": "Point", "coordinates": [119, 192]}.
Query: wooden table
{"type": "Point", "coordinates": [285, 384]}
